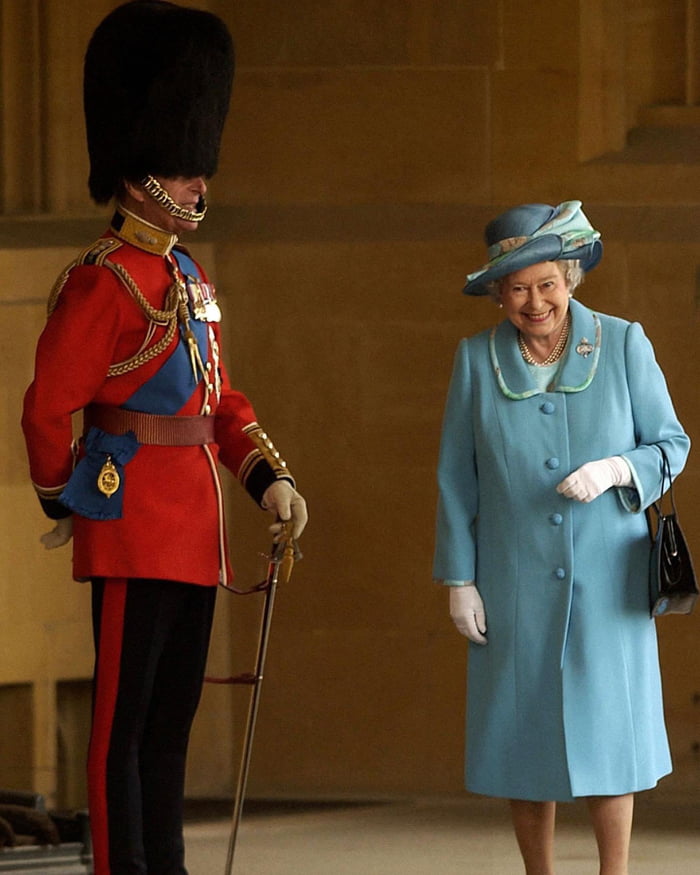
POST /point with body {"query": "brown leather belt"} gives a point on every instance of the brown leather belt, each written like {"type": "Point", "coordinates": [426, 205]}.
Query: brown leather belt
{"type": "Point", "coordinates": [150, 428]}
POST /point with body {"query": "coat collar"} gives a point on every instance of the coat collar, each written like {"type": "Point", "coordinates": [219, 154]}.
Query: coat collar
{"type": "Point", "coordinates": [138, 232]}
{"type": "Point", "coordinates": [578, 366]}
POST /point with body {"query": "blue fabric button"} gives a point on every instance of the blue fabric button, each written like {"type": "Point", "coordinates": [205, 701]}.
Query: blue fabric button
{"type": "Point", "coordinates": [547, 407]}
{"type": "Point", "coordinates": [552, 463]}
{"type": "Point", "coordinates": [556, 519]}
{"type": "Point", "coordinates": [560, 573]}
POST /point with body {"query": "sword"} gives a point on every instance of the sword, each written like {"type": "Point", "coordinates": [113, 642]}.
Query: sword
{"type": "Point", "coordinates": [283, 555]}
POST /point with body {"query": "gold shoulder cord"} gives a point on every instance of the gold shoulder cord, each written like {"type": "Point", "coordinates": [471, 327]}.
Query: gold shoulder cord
{"type": "Point", "coordinates": [93, 254]}
{"type": "Point", "coordinates": [167, 317]}
{"type": "Point", "coordinates": [58, 288]}
{"type": "Point", "coordinates": [97, 254]}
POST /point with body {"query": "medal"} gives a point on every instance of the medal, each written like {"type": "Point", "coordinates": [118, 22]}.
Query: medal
{"type": "Point", "coordinates": [108, 479]}
{"type": "Point", "coordinates": [202, 298]}
{"type": "Point", "coordinates": [212, 312]}
{"type": "Point", "coordinates": [194, 293]}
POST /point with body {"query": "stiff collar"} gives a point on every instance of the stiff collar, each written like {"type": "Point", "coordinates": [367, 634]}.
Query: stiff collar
{"type": "Point", "coordinates": [578, 366]}
{"type": "Point", "coordinates": [134, 230]}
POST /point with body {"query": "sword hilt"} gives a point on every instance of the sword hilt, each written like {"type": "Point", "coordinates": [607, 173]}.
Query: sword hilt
{"type": "Point", "coordinates": [285, 552]}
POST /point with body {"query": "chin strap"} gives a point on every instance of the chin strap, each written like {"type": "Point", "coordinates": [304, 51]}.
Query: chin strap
{"type": "Point", "coordinates": [153, 188]}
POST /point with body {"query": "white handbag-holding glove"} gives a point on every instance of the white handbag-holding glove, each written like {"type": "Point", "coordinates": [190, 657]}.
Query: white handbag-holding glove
{"type": "Point", "coordinates": [467, 612]}
{"type": "Point", "coordinates": [594, 478]}
{"type": "Point", "coordinates": [59, 535]}
{"type": "Point", "coordinates": [285, 502]}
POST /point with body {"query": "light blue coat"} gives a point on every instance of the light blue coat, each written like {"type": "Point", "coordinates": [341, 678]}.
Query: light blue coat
{"type": "Point", "coordinates": [565, 700]}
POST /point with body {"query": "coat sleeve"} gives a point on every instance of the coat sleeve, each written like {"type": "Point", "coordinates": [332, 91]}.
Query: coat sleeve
{"type": "Point", "coordinates": [73, 354]}
{"type": "Point", "coordinates": [655, 421]}
{"type": "Point", "coordinates": [455, 550]}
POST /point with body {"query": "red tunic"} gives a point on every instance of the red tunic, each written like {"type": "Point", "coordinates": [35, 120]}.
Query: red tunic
{"type": "Point", "coordinates": [172, 525]}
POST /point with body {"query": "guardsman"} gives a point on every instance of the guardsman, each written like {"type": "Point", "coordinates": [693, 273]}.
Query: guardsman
{"type": "Point", "coordinates": [133, 341]}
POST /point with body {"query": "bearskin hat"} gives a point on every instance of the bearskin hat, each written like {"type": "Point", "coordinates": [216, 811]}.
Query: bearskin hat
{"type": "Point", "coordinates": [157, 84]}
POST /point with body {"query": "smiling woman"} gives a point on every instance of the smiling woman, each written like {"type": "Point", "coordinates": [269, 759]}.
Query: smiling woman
{"type": "Point", "coordinates": [541, 539]}
{"type": "Point", "coordinates": [536, 300]}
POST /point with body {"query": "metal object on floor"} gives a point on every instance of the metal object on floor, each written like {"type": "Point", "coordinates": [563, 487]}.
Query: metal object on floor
{"type": "Point", "coordinates": [280, 563]}
{"type": "Point", "coordinates": [70, 855]}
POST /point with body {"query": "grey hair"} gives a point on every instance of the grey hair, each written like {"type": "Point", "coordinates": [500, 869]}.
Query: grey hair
{"type": "Point", "coordinates": [571, 270]}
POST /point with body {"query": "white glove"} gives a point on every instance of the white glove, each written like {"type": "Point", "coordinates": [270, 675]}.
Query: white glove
{"type": "Point", "coordinates": [285, 502]}
{"type": "Point", "coordinates": [594, 478]}
{"type": "Point", "coordinates": [60, 535]}
{"type": "Point", "coordinates": [467, 612]}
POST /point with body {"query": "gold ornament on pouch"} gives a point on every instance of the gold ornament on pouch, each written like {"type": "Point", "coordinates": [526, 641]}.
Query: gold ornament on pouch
{"type": "Point", "coordinates": [108, 479]}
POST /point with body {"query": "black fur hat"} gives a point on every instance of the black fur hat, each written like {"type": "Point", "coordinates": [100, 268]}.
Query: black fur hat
{"type": "Point", "coordinates": [157, 85]}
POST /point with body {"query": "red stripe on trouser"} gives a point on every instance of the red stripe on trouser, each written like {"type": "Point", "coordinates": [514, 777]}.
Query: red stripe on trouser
{"type": "Point", "coordinates": [105, 697]}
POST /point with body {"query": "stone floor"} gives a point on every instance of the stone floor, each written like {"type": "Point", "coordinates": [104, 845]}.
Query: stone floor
{"type": "Point", "coordinates": [425, 837]}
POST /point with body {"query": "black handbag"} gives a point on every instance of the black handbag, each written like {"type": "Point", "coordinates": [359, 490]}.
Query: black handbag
{"type": "Point", "coordinates": [673, 588]}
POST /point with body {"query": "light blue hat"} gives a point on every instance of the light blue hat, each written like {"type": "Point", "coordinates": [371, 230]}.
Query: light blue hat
{"type": "Point", "coordinates": [529, 234]}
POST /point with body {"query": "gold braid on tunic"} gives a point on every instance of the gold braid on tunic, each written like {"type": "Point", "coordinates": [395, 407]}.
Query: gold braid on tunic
{"type": "Point", "coordinates": [167, 317]}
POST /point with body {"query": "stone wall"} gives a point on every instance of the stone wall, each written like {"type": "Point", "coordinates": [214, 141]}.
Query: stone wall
{"type": "Point", "coordinates": [368, 143]}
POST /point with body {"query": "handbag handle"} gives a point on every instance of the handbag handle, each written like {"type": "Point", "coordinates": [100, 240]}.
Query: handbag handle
{"type": "Point", "coordinates": [665, 475]}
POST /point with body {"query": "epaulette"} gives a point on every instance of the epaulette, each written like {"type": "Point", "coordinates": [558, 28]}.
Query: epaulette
{"type": "Point", "coordinates": [99, 250]}
{"type": "Point", "coordinates": [96, 253]}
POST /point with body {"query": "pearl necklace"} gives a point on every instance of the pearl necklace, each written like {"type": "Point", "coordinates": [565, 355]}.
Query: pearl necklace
{"type": "Point", "coordinates": [555, 354]}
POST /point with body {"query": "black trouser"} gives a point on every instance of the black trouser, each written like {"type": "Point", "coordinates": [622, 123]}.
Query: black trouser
{"type": "Point", "coordinates": [151, 642]}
